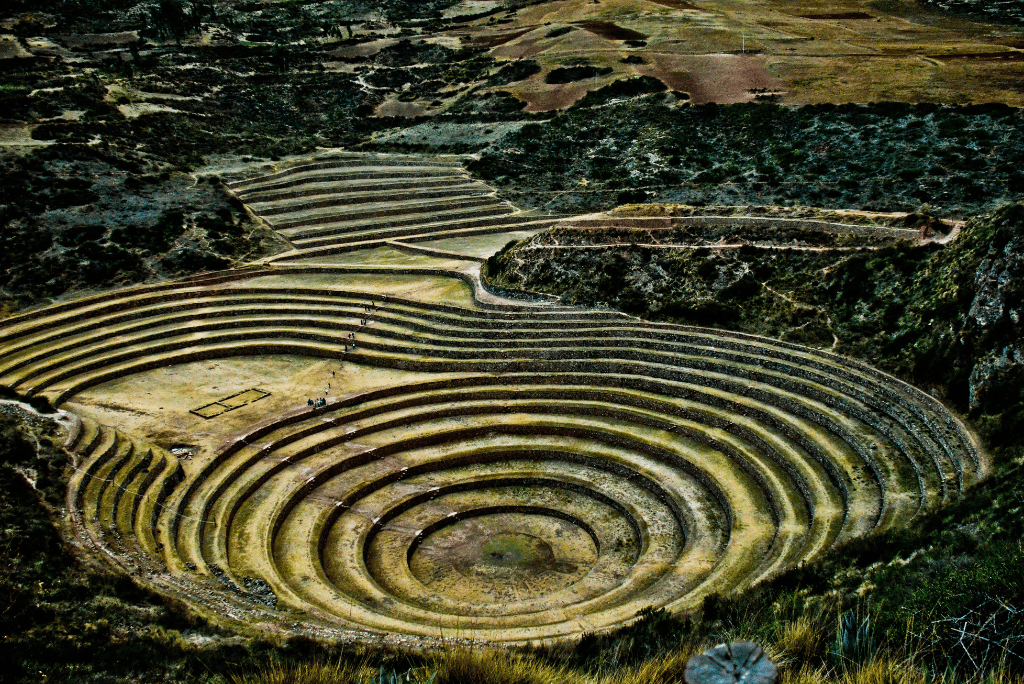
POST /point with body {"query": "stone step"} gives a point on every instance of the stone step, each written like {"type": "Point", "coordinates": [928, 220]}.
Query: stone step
{"type": "Point", "coordinates": [260, 455]}
{"type": "Point", "coordinates": [341, 184]}
{"type": "Point", "coordinates": [347, 169]}
{"type": "Point", "coordinates": [70, 369]}
{"type": "Point", "coordinates": [363, 237]}
{"type": "Point", "coordinates": [382, 212]}
{"type": "Point", "coordinates": [321, 200]}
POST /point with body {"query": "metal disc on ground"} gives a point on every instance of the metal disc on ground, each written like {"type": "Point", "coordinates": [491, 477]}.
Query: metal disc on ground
{"type": "Point", "coordinates": [738, 662]}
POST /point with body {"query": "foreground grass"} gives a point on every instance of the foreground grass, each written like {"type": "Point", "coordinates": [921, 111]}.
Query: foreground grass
{"type": "Point", "coordinates": [495, 667]}
{"type": "Point", "coordinates": [917, 607]}
{"type": "Point", "coordinates": [459, 666]}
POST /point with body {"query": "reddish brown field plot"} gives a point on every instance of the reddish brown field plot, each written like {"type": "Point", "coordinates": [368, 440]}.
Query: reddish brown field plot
{"type": "Point", "coordinates": [719, 78]}
{"type": "Point", "coordinates": [723, 51]}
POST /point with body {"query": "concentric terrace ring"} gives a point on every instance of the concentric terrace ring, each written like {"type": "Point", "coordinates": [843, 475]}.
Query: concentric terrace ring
{"type": "Point", "coordinates": [564, 470]}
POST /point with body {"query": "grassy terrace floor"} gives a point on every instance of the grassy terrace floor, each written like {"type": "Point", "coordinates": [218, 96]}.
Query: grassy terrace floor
{"type": "Point", "coordinates": [473, 466]}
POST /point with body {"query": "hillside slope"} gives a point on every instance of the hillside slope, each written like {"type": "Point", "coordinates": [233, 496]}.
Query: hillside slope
{"type": "Point", "coordinates": [947, 319]}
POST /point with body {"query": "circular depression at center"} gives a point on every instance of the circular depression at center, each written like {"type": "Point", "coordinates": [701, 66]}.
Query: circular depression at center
{"type": "Point", "coordinates": [507, 556]}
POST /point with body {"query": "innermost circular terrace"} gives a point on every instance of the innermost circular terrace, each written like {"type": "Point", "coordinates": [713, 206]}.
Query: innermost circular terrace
{"type": "Point", "coordinates": [504, 557]}
{"type": "Point", "coordinates": [378, 445]}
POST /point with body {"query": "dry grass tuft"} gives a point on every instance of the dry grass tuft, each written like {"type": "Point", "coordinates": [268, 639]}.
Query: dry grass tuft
{"type": "Point", "coordinates": [462, 666]}
{"type": "Point", "coordinates": [315, 672]}
{"type": "Point", "coordinates": [802, 640]}
{"type": "Point", "coordinates": [491, 666]}
{"type": "Point", "coordinates": [883, 671]}
{"type": "Point", "coordinates": [876, 671]}
{"type": "Point", "coordinates": [331, 672]}
{"type": "Point", "coordinates": [498, 667]}
{"type": "Point", "coordinates": [803, 675]}
{"type": "Point", "coordinates": [495, 666]}
{"type": "Point", "coordinates": [666, 670]}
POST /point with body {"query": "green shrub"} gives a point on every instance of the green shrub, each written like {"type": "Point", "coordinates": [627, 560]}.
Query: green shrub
{"type": "Point", "coordinates": [513, 72]}
{"type": "Point", "coordinates": [625, 87]}
{"type": "Point", "coordinates": [559, 31]}
{"type": "Point", "coordinates": [169, 227]}
{"type": "Point", "coordinates": [575, 73]}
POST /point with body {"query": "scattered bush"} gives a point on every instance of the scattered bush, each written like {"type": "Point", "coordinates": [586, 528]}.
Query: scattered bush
{"type": "Point", "coordinates": [922, 312]}
{"type": "Point", "coordinates": [761, 154]}
{"type": "Point", "coordinates": [559, 31]}
{"type": "Point", "coordinates": [626, 87]}
{"type": "Point", "coordinates": [575, 73]}
{"type": "Point", "coordinates": [513, 72]}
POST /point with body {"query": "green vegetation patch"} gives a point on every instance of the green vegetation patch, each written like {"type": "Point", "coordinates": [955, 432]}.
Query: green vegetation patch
{"type": "Point", "coordinates": [623, 88]}
{"type": "Point", "coordinates": [883, 156]}
{"type": "Point", "coordinates": [513, 72]}
{"type": "Point", "coordinates": [559, 31]}
{"type": "Point", "coordinates": [1004, 11]}
{"type": "Point", "coordinates": [575, 73]}
{"type": "Point", "coordinates": [78, 218]}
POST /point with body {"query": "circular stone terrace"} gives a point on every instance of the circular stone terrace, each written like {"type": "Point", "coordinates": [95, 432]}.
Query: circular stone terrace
{"type": "Point", "coordinates": [356, 437]}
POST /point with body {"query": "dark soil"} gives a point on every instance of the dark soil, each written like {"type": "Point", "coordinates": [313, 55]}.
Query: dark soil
{"type": "Point", "coordinates": [981, 56]}
{"type": "Point", "coordinates": [611, 31]}
{"type": "Point", "coordinates": [677, 4]}
{"type": "Point", "coordinates": [837, 16]}
{"type": "Point", "coordinates": [1004, 11]}
{"type": "Point", "coordinates": [575, 73]}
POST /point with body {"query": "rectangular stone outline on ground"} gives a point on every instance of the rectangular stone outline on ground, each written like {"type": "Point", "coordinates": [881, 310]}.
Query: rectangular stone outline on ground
{"type": "Point", "coordinates": [216, 408]}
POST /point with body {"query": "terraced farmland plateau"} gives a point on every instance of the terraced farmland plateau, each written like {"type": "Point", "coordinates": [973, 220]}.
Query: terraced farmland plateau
{"type": "Point", "coordinates": [356, 436]}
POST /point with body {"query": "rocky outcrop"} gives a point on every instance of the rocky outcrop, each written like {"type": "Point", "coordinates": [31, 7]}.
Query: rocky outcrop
{"type": "Point", "coordinates": [996, 312]}
{"type": "Point", "coordinates": [997, 374]}
{"type": "Point", "coordinates": [1000, 295]}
